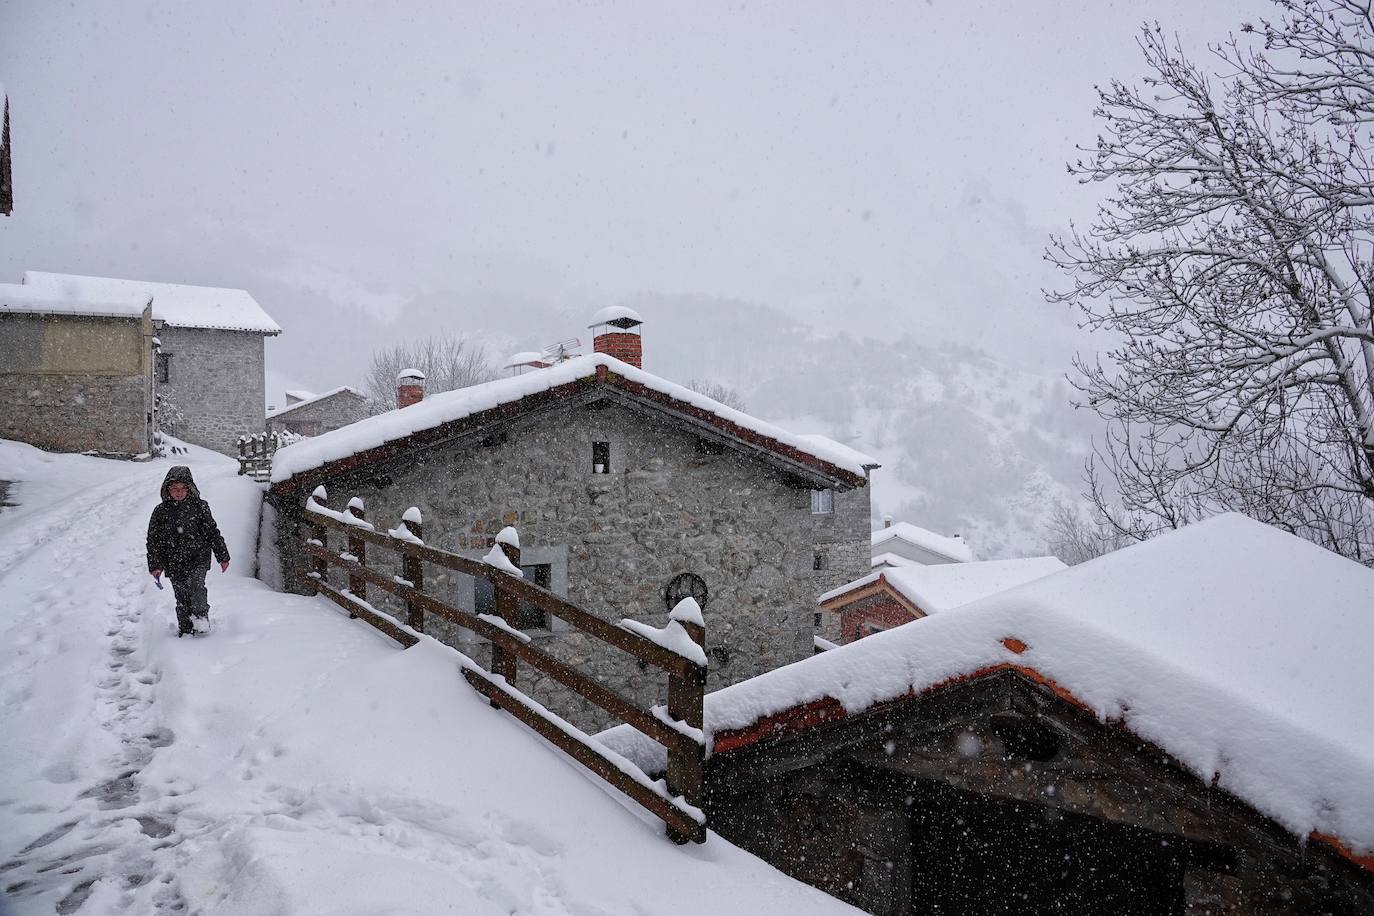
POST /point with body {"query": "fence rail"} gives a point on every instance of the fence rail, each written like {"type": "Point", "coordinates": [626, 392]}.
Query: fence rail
{"type": "Point", "coordinates": [678, 728]}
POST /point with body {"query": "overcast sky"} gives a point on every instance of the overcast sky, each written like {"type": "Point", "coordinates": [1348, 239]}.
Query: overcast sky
{"type": "Point", "coordinates": [865, 165]}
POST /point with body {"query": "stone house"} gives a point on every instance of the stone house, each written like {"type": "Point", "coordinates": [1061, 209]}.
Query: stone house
{"type": "Point", "coordinates": [76, 376]}
{"type": "Point", "coordinates": [210, 369]}
{"type": "Point", "coordinates": [894, 595]}
{"type": "Point", "coordinates": [1175, 729]}
{"type": "Point", "coordinates": [307, 414]}
{"type": "Point", "coordinates": [628, 493]}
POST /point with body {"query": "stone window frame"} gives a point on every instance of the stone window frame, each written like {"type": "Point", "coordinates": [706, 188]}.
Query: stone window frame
{"type": "Point", "coordinates": [555, 557]}
{"type": "Point", "coordinates": [823, 502]}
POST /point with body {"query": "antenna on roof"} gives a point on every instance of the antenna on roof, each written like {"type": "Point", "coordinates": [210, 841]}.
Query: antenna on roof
{"type": "Point", "coordinates": [564, 349]}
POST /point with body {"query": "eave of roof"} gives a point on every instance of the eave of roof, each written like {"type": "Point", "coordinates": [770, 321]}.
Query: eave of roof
{"type": "Point", "coordinates": [609, 378]}
{"type": "Point", "coordinates": [866, 587]}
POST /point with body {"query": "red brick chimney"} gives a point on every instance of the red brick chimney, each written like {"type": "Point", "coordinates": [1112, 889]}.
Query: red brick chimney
{"type": "Point", "coordinates": [616, 330]}
{"type": "Point", "coordinates": [410, 387]}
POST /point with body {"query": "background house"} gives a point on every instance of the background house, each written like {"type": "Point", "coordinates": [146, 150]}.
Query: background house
{"type": "Point", "coordinates": [76, 376]}
{"type": "Point", "coordinates": [210, 369]}
{"type": "Point", "coordinates": [902, 543]}
{"type": "Point", "coordinates": [1179, 727]}
{"type": "Point", "coordinates": [629, 493]}
{"type": "Point", "coordinates": [308, 414]}
{"type": "Point", "coordinates": [891, 596]}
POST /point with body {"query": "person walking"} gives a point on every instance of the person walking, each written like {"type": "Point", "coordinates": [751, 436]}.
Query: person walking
{"type": "Point", "coordinates": [181, 536]}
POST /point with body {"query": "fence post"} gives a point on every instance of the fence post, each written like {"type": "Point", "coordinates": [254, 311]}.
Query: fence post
{"type": "Point", "coordinates": [686, 698]}
{"type": "Point", "coordinates": [508, 606]}
{"type": "Point", "coordinates": [319, 532]}
{"type": "Point", "coordinates": [358, 547]}
{"type": "Point", "coordinates": [413, 569]}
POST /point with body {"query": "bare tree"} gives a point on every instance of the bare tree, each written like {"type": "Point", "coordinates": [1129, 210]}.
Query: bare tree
{"type": "Point", "coordinates": [1232, 259]}
{"type": "Point", "coordinates": [448, 362]}
{"type": "Point", "coordinates": [717, 391]}
{"type": "Point", "coordinates": [1076, 538]}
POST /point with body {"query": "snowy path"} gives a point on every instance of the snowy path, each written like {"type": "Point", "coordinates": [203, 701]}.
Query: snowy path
{"type": "Point", "coordinates": [293, 762]}
{"type": "Point", "coordinates": [54, 560]}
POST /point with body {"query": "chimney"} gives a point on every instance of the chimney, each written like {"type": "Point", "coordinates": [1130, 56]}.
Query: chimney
{"type": "Point", "coordinates": [616, 331]}
{"type": "Point", "coordinates": [410, 387]}
{"type": "Point", "coordinates": [887, 521]}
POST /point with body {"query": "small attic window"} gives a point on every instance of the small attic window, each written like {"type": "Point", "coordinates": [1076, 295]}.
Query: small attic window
{"type": "Point", "coordinates": [822, 502]}
{"type": "Point", "coordinates": [601, 457]}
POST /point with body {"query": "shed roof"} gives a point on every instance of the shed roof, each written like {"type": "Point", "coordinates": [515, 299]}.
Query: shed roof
{"type": "Point", "coordinates": [180, 305]}
{"type": "Point", "coordinates": [948, 585]}
{"type": "Point", "coordinates": [430, 421]}
{"type": "Point", "coordinates": [1239, 649]}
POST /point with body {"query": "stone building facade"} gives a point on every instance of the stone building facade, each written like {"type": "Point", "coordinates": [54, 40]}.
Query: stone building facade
{"type": "Point", "coordinates": [216, 381]}
{"type": "Point", "coordinates": [667, 502]}
{"type": "Point", "coordinates": [74, 377]}
{"type": "Point", "coordinates": [210, 368]}
{"type": "Point", "coordinates": [321, 413]}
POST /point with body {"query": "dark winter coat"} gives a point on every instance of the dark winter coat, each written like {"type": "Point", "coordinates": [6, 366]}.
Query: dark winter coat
{"type": "Point", "coordinates": [182, 535]}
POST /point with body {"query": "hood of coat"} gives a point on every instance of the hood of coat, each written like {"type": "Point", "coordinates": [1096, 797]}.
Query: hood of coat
{"type": "Point", "coordinates": [180, 474]}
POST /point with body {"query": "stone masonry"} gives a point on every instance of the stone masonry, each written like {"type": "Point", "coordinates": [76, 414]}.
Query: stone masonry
{"type": "Point", "coordinates": [216, 380]}
{"type": "Point", "coordinates": [77, 383]}
{"type": "Point", "coordinates": [668, 506]}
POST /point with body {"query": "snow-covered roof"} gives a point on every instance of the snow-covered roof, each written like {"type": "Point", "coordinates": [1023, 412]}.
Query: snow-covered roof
{"type": "Point", "coordinates": [953, 548]}
{"type": "Point", "coordinates": [526, 358]}
{"type": "Point", "coordinates": [1239, 649]}
{"type": "Point", "coordinates": [948, 585]}
{"type": "Point", "coordinates": [18, 299]}
{"type": "Point", "coordinates": [451, 406]}
{"type": "Point", "coordinates": [315, 398]}
{"type": "Point", "coordinates": [300, 394]}
{"type": "Point", "coordinates": [890, 559]}
{"type": "Point", "coordinates": [181, 306]}
{"type": "Point", "coordinates": [838, 448]}
{"type": "Point", "coordinates": [616, 314]}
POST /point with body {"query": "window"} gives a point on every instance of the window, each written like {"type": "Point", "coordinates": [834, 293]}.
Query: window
{"type": "Point", "coordinates": [601, 457]}
{"type": "Point", "coordinates": [527, 616]}
{"type": "Point", "coordinates": [870, 628]}
{"type": "Point", "coordinates": [816, 619]}
{"type": "Point", "coordinates": [822, 502]}
{"type": "Point", "coordinates": [818, 561]}
{"type": "Point", "coordinates": [164, 368]}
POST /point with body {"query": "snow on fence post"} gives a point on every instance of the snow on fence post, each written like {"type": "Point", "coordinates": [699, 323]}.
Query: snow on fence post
{"type": "Point", "coordinates": [503, 662]}
{"type": "Point", "coordinates": [686, 699]}
{"type": "Point", "coordinates": [358, 548]}
{"type": "Point", "coordinates": [413, 570]}
{"type": "Point", "coordinates": [319, 533]}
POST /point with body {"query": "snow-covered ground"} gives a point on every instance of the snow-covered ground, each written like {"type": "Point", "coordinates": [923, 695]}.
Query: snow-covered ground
{"type": "Point", "coordinates": [292, 762]}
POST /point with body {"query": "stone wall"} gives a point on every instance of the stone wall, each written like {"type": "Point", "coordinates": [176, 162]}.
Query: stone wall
{"type": "Point", "coordinates": [75, 413]}
{"type": "Point", "coordinates": [667, 506]}
{"type": "Point", "coordinates": [76, 384]}
{"type": "Point", "coordinates": [217, 382]}
{"type": "Point", "coordinates": [322, 416]}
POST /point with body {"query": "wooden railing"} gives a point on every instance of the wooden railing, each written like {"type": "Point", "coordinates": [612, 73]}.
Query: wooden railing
{"type": "Point", "coordinates": [677, 649]}
{"type": "Point", "coordinates": [256, 451]}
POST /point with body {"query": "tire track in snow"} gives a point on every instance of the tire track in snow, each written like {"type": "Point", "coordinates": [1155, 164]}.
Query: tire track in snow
{"type": "Point", "coordinates": [106, 853]}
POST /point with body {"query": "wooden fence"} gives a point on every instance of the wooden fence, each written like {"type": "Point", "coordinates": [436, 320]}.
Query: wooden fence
{"type": "Point", "coordinates": [256, 451]}
{"type": "Point", "coordinates": [678, 728]}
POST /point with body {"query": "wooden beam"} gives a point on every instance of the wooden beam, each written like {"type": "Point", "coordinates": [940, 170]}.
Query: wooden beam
{"type": "Point", "coordinates": [590, 757]}
{"type": "Point", "coordinates": [357, 610]}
